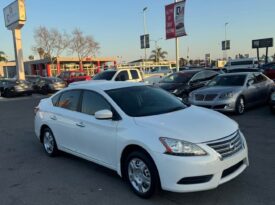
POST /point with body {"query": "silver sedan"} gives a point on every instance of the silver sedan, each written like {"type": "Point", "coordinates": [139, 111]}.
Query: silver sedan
{"type": "Point", "coordinates": [233, 92]}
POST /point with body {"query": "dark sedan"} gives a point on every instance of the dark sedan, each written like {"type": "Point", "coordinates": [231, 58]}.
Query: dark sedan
{"type": "Point", "coordinates": [51, 85]}
{"type": "Point", "coordinates": [182, 83]}
{"type": "Point", "coordinates": [11, 87]}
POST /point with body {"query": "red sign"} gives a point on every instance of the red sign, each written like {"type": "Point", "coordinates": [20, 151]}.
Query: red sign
{"type": "Point", "coordinates": [175, 20]}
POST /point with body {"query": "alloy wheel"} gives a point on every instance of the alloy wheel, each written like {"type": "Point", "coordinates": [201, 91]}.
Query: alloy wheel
{"type": "Point", "coordinates": [139, 175]}
{"type": "Point", "coordinates": [48, 142]}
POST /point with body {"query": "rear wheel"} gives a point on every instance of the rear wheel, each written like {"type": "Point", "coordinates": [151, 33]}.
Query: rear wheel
{"type": "Point", "coordinates": [6, 93]}
{"type": "Point", "coordinates": [141, 174]}
{"type": "Point", "coordinates": [240, 106]}
{"type": "Point", "coordinates": [49, 142]}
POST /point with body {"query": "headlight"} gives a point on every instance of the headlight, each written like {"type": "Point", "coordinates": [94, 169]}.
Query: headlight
{"type": "Point", "coordinates": [273, 96]}
{"type": "Point", "coordinates": [181, 148]}
{"type": "Point", "coordinates": [226, 95]}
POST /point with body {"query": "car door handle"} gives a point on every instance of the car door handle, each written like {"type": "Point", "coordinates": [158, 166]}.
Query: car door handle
{"type": "Point", "coordinates": [80, 124]}
{"type": "Point", "coordinates": [53, 117]}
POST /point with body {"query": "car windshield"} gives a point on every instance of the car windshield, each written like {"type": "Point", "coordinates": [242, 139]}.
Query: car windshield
{"type": "Point", "coordinates": [145, 101]}
{"type": "Point", "coordinates": [228, 80]}
{"type": "Point", "coordinates": [106, 75]}
{"type": "Point", "coordinates": [178, 77]}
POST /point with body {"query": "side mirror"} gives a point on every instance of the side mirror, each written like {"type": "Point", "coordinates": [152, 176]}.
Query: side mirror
{"type": "Point", "coordinates": [103, 115]}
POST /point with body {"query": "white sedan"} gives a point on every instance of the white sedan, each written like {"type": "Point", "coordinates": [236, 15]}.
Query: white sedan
{"type": "Point", "coordinates": [145, 134]}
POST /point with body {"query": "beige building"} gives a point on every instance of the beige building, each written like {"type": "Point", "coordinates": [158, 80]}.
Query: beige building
{"type": "Point", "coordinates": [7, 69]}
{"type": "Point", "coordinates": [90, 65]}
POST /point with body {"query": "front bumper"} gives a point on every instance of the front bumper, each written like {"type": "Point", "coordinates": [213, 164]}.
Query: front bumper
{"type": "Point", "coordinates": [219, 105]}
{"type": "Point", "coordinates": [172, 169]}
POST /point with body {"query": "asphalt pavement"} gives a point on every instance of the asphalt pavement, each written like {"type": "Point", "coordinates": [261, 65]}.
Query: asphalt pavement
{"type": "Point", "coordinates": [28, 176]}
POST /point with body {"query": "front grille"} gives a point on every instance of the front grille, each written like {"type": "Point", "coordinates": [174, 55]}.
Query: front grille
{"type": "Point", "coordinates": [227, 146]}
{"type": "Point", "coordinates": [208, 97]}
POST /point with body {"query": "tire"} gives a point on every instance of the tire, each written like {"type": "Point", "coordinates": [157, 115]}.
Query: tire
{"type": "Point", "coordinates": [240, 106]}
{"type": "Point", "coordinates": [49, 142]}
{"type": "Point", "coordinates": [6, 94]}
{"type": "Point", "coordinates": [141, 174]}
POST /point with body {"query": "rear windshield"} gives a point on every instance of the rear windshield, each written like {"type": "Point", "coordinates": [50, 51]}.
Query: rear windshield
{"type": "Point", "coordinates": [106, 75]}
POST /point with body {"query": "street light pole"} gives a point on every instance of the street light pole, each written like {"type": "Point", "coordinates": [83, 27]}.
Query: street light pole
{"type": "Point", "coordinates": [145, 31]}
{"type": "Point", "coordinates": [177, 50]}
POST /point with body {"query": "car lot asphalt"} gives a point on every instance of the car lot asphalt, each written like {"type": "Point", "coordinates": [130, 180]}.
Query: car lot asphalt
{"type": "Point", "coordinates": [28, 176]}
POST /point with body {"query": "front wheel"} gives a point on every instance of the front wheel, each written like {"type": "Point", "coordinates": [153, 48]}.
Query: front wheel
{"type": "Point", "coordinates": [240, 106]}
{"type": "Point", "coordinates": [49, 143]}
{"type": "Point", "coordinates": [141, 174]}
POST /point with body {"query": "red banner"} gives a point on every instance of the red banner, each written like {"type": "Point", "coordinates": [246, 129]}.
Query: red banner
{"type": "Point", "coordinates": [174, 14]}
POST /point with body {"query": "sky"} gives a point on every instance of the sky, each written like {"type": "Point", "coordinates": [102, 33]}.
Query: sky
{"type": "Point", "coordinates": [117, 25]}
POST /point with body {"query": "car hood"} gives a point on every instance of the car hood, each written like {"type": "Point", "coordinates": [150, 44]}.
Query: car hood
{"type": "Point", "coordinates": [170, 86]}
{"type": "Point", "coordinates": [193, 124]}
{"type": "Point", "coordinates": [218, 89]}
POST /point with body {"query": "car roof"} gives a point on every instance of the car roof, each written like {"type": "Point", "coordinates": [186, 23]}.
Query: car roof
{"type": "Point", "coordinates": [238, 73]}
{"type": "Point", "coordinates": [104, 85]}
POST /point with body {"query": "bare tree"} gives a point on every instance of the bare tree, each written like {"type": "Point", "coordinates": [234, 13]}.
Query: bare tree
{"type": "Point", "coordinates": [83, 46]}
{"type": "Point", "coordinates": [50, 43]}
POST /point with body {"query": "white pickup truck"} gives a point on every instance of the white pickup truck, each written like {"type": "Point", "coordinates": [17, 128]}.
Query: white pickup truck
{"type": "Point", "coordinates": [130, 75]}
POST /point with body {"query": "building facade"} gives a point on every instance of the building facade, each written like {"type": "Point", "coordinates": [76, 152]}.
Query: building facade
{"type": "Point", "coordinates": [90, 65]}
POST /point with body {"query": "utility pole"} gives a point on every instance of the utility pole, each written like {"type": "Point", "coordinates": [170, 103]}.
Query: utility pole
{"type": "Point", "coordinates": [177, 50]}
{"type": "Point", "coordinates": [145, 31]}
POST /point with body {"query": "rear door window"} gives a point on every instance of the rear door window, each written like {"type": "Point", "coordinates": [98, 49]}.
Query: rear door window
{"type": "Point", "coordinates": [122, 76]}
{"type": "Point", "coordinates": [70, 100]}
{"type": "Point", "coordinates": [134, 74]}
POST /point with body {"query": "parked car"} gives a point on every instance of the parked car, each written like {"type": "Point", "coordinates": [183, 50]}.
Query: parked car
{"type": "Point", "coordinates": [242, 63]}
{"type": "Point", "coordinates": [11, 87]}
{"type": "Point", "coordinates": [233, 92]}
{"type": "Point", "coordinates": [51, 85]}
{"type": "Point", "coordinates": [131, 75]}
{"type": "Point", "coordinates": [73, 76]}
{"type": "Point", "coordinates": [269, 70]}
{"type": "Point", "coordinates": [35, 81]}
{"type": "Point", "coordinates": [182, 83]}
{"type": "Point", "coordinates": [148, 137]}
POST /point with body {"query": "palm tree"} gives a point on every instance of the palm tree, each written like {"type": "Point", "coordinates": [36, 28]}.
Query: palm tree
{"type": "Point", "coordinates": [3, 56]}
{"type": "Point", "coordinates": [158, 54]}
